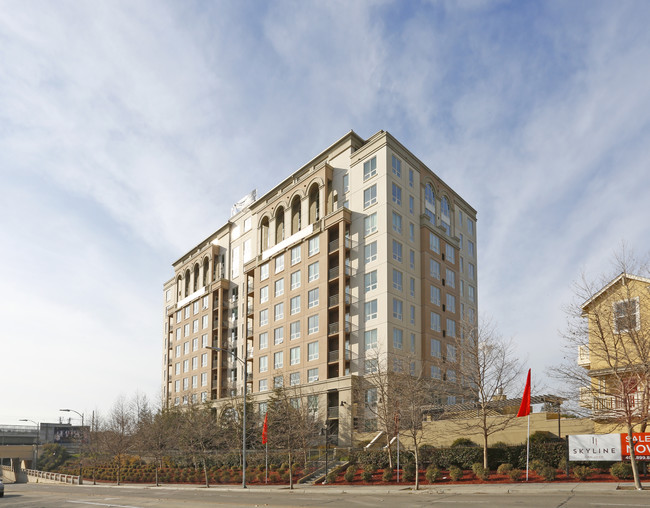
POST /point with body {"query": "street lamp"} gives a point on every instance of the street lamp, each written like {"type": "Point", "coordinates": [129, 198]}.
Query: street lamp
{"type": "Point", "coordinates": [245, 364]}
{"type": "Point", "coordinates": [325, 431]}
{"type": "Point", "coordinates": [38, 436]}
{"type": "Point", "coordinates": [81, 441]}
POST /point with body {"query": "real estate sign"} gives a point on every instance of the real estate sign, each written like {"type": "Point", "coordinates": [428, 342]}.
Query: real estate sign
{"type": "Point", "coordinates": [641, 446]}
{"type": "Point", "coordinates": [613, 447]}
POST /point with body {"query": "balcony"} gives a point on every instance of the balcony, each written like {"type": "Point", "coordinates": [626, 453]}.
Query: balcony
{"type": "Point", "coordinates": [333, 356]}
{"type": "Point", "coordinates": [334, 245]}
{"type": "Point", "coordinates": [583, 356]}
{"type": "Point", "coordinates": [334, 328]}
{"type": "Point", "coordinates": [586, 399]}
{"type": "Point", "coordinates": [333, 300]}
{"type": "Point", "coordinates": [333, 412]}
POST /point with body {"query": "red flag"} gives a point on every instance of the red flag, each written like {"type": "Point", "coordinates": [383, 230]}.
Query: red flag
{"type": "Point", "coordinates": [524, 409]}
{"type": "Point", "coordinates": [265, 429]}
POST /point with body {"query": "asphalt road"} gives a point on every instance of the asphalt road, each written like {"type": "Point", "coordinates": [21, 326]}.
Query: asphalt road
{"type": "Point", "coordinates": [58, 496]}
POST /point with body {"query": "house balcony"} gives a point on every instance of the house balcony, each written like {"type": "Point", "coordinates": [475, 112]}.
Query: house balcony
{"type": "Point", "coordinates": [586, 398]}
{"type": "Point", "coordinates": [584, 357]}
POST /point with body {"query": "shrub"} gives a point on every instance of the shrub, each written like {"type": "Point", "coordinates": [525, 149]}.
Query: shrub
{"type": "Point", "coordinates": [480, 472]}
{"type": "Point", "coordinates": [463, 441]}
{"type": "Point", "coordinates": [366, 476]}
{"type": "Point", "coordinates": [537, 466]}
{"type": "Point", "coordinates": [621, 471]}
{"type": "Point", "coordinates": [433, 474]}
{"type": "Point", "coordinates": [477, 466]}
{"type": "Point", "coordinates": [504, 468]}
{"type": "Point", "coordinates": [562, 464]}
{"type": "Point", "coordinates": [349, 473]}
{"type": "Point", "coordinates": [371, 468]}
{"type": "Point", "coordinates": [543, 436]}
{"type": "Point", "coordinates": [548, 473]}
{"type": "Point", "coordinates": [388, 475]}
{"type": "Point", "coordinates": [582, 472]}
{"type": "Point", "coordinates": [500, 444]}
{"type": "Point", "coordinates": [455, 473]}
{"type": "Point", "coordinates": [409, 473]}
{"type": "Point", "coordinates": [515, 474]}
{"type": "Point", "coordinates": [331, 477]}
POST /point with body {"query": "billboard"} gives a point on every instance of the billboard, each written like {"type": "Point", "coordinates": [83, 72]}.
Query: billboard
{"type": "Point", "coordinates": [641, 445]}
{"type": "Point", "coordinates": [67, 434]}
{"type": "Point", "coordinates": [595, 447]}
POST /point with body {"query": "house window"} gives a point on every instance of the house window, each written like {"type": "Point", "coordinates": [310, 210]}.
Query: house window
{"type": "Point", "coordinates": [294, 355]}
{"type": "Point", "coordinates": [471, 293]}
{"type": "Point", "coordinates": [294, 329]}
{"type": "Point", "coordinates": [205, 321]}
{"type": "Point", "coordinates": [278, 335]}
{"type": "Point", "coordinates": [278, 359]}
{"type": "Point", "coordinates": [313, 271]}
{"type": "Point", "coordinates": [451, 353]}
{"type": "Point", "coordinates": [369, 168]}
{"type": "Point", "coordinates": [279, 264]}
{"type": "Point", "coordinates": [295, 255]}
{"type": "Point", "coordinates": [370, 224]}
{"type": "Point", "coordinates": [264, 363]}
{"type": "Point", "coordinates": [263, 385]}
{"type": "Point", "coordinates": [294, 379]}
{"type": "Point", "coordinates": [370, 196]}
{"type": "Point", "coordinates": [470, 227]}
{"type": "Point", "coordinates": [278, 311]}
{"type": "Point", "coordinates": [313, 246]}
{"type": "Point", "coordinates": [312, 351]}
{"type": "Point", "coordinates": [435, 372]}
{"type": "Point", "coordinates": [451, 328]}
{"type": "Point", "coordinates": [398, 338]}
{"type": "Point", "coordinates": [370, 252]}
{"type": "Point", "coordinates": [346, 182]}
{"type": "Point", "coordinates": [434, 269]}
{"type": "Point", "coordinates": [264, 271]}
{"type": "Point", "coordinates": [204, 379]}
{"type": "Point", "coordinates": [410, 177]}
{"type": "Point", "coordinates": [411, 231]}
{"type": "Point", "coordinates": [295, 305]}
{"type": "Point", "coordinates": [435, 295]}
{"type": "Point", "coordinates": [471, 271]}
{"type": "Point", "coordinates": [195, 326]}
{"type": "Point", "coordinates": [195, 306]}
{"type": "Point", "coordinates": [371, 310]}
{"type": "Point", "coordinates": [397, 280]}
{"type": "Point", "coordinates": [279, 287]}
{"type": "Point", "coordinates": [397, 194]}
{"type": "Point", "coordinates": [397, 223]}
{"type": "Point", "coordinates": [412, 287]}
{"type": "Point", "coordinates": [450, 277]}
{"type": "Point", "coordinates": [451, 303]}
{"type": "Point", "coordinates": [264, 340]}
{"type": "Point", "coordinates": [397, 251]}
{"type": "Point", "coordinates": [450, 254]}
{"type": "Point", "coordinates": [436, 350]}
{"type": "Point", "coordinates": [313, 298]}
{"type": "Point", "coordinates": [370, 280]}
{"type": "Point", "coordinates": [626, 315]}
{"type": "Point", "coordinates": [435, 322]}
{"type": "Point", "coordinates": [278, 382]}
{"type": "Point", "coordinates": [195, 344]}
{"type": "Point", "coordinates": [412, 314]}
{"type": "Point", "coordinates": [451, 377]}
{"type": "Point", "coordinates": [434, 243]}
{"type": "Point", "coordinates": [312, 375]}
{"type": "Point", "coordinates": [370, 339]}
{"type": "Point", "coordinates": [295, 280]}
{"type": "Point", "coordinates": [470, 248]}
{"type": "Point", "coordinates": [398, 308]}
{"type": "Point", "coordinates": [312, 324]}
{"type": "Point", "coordinates": [397, 167]}
{"type": "Point", "coordinates": [371, 366]}
{"type": "Point", "coordinates": [264, 317]}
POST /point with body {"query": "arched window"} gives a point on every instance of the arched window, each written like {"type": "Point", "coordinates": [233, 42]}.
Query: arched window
{"type": "Point", "coordinates": [295, 215]}
{"type": "Point", "coordinates": [279, 225]}
{"type": "Point", "coordinates": [196, 277]}
{"type": "Point", "coordinates": [429, 203]}
{"type": "Point", "coordinates": [179, 287]}
{"type": "Point", "coordinates": [314, 204]}
{"type": "Point", "coordinates": [264, 234]}
{"type": "Point", "coordinates": [187, 282]}
{"type": "Point", "coordinates": [206, 270]}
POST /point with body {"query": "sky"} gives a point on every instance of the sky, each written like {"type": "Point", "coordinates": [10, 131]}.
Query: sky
{"type": "Point", "coordinates": [124, 124]}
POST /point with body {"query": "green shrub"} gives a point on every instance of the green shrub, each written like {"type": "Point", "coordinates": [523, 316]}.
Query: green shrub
{"type": "Point", "coordinates": [480, 472]}
{"type": "Point", "coordinates": [366, 476]}
{"type": "Point", "coordinates": [455, 473]}
{"type": "Point", "coordinates": [388, 475]}
{"type": "Point", "coordinates": [371, 468]}
{"type": "Point", "coordinates": [582, 472]}
{"type": "Point", "coordinates": [515, 474]}
{"type": "Point", "coordinates": [621, 471]}
{"type": "Point", "coordinates": [504, 468]}
{"type": "Point", "coordinates": [409, 472]}
{"type": "Point", "coordinates": [543, 436]}
{"type": "Point", "coordinates": [477, 466]}
{"type": "Point", "coordinates": [463, 441]}
{"type": "Point", "coordinates": [548, 473]}
{"type": "Point", "coordinates": [562, 464]}
{"type": "Point", "coordinates": [537, 466]}
{"type": "Point", "coordinates": [433, 474]}
{"type": "Point", "coordinates": [500, 444]}
{"type": "Point", "coordinates": [331, 477]}
{"type": "Point", "coordinates": [349, 473]}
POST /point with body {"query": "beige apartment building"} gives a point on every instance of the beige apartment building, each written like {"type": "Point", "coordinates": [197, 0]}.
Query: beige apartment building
{"type": "Point", "coordinates": [362, 255]}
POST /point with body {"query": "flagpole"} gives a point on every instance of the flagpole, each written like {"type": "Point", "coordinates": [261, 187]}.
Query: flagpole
{"type": "Point", "coordinates": [527, 446]}
{"type": "Point", "coordinates": [267, 463]}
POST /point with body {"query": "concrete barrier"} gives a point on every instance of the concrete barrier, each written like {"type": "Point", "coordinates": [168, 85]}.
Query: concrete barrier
{"type": "Point", "coordinates": [34, 476]}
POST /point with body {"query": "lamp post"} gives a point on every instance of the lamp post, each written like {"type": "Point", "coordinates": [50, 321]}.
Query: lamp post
{"type": "Point", "coordinates": [326, 432]}
{"type": "Point", "coordinates": [38, 436]}
{"type": "Point", "coordinates": [244, 362]}
{"type": "Point", "coordinates": [81, 441]}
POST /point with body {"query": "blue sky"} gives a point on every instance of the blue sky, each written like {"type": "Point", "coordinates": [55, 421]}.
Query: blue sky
{"type": "Point", "coordinates": [123, 125]}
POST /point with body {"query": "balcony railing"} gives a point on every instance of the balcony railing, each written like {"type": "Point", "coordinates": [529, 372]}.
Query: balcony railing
{"type": "Point", "coordinates": [334, 328]}
{"type": "Point", "coordinates": [334, 300]}
{"type": "Point", "coordinates": [333, 272]}
{"type": "Point", "coordinates": [333, 412]}
{"type": "Point", "coordinates": [333, 356]}
{"type": "Point", "coordinates": [334, 245]}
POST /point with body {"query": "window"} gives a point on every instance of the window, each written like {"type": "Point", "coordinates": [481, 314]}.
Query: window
{"type": "Point", "coordinates": [370, 280]}
{"type": "Point", "coordinates": [264, 340]}
{"type": "Point", "coordinates": [178, 368]}
{"type": "Point", "coordinates": [278, 335]}
{"type": "Point", "coordinates": [295, 305]}
{"type": "Point", "coordinates": [370, 224]}
{"type": "Point", "coordinates": [370, 339]}
{"type": "Point", "coordinates": [312, 351]}
{"type": "Point", "coordinates": [186, 348]}
{"type": "Point", "coordinates": [295, 280]}
{"type": "Point", "coordinates": [178, 351]}
{"type": "Point", "coordinates": [279, 264]}
{"type": "Point", "coordinates": [195, 307]}
{"type": "Point", "coordinates": [346, 182]}
{"type": "Point", "coordinates": [435, 295]}
{"type": "Point", "coordinates": [264, 317]}
{"type": "Point", "coordinates": [451, 376]}
{"type": "Point", "coordinates": [370, 252]}
{"type": "Point", "coordinates": [470, 226]}
{"type": "Point", "coordinates": [397, 280]}
{"type": "Point", "coordinates": [313, 246]}
{"type": "Point", "coordinates": [435, 372]}
{"type": "Point", "coordinates": [294, 329]}
{"type": "Point", "coordinates": [187, 311]}
{"type": "Point", "coordinates": [412, 343]}
{"type": "Point", "coordinates": [411, 232]}
{"type": "Point", "coordinates": [397, 223]}
{"type": "Point", "coordinates": [195, 381]}
{"type": "Point", "coordinates": [369, 168]}
{"type": "Point", "coordinates": [435, 322]}
{"type": "Point", "coordinates": [312, 401]}
{"type": "Point", "coordinates": [186, 383]}
{"type": "Point", "coordinates": [397, 167]}
{"type": "Point", "coordinates": [471, 273]}
{"type": "Point", "coordinates": [397, 194]}
{"type": "Point", "coordinates": [371, 366]}
{"type": "Point", "coordinates": [278, 382]}
{"type": "Point", "coordinates": [312, 375]}
{"type": "Point", "coordinates": [411, 205]}
{"type": "Point", "coordinates": [313, 271]}
{"type": "Point", "coordinates": [450, 277]}
{"type": "Point", "coordinates": [397, 308]}
{"type": "Point", "coordinates": [195, 344]}
{"type": "Point", "coordinates": [451, 353]}
{"type": "Point", "coordinates": [626, 315]}
{"type": "Point", "coordinates": [451, 303]}
{"type": "Point", "coordinates": [295, 255]}
{"type": "Point", "coordinates": [434, 269]}
{"type": "Point", "coordinates": [471, 315]}
{"type": "Point", "coordinates": [204, 340]}
{"type": "Point", "coordinates": [471, 293]}
{"type": "Point", "coordinates": [205, 321]}
{"type": "Point", "coordinates": [460, 241]}
{"type": "Point", "coordinates": [369, 196]}
{"type": "Point", "coordinates": [436, 350]}
{"type": "Point", "coordinates": [235, 263]}
{"type": "Point", "coordinates": [278, 359]}
{"type": "Point", "coordinates": [263, 385]}
{"type": "Point", "coordinates": [186, 330]}
{"type": "Point", "coordinates": [312, 324]}
{"type": "Point", "coordinates": [451, 328]}
{"type": "Point", "coordinates": [450, 255]}
{"type": "Point", "coordinates": [430, 203]}
{"type": "Point", "coordinates": [312, 296]}
{"type": "Point", "coordinates": [398, 336]}
{"type": "Point", "coordinates": [412, 314]}
{"type": "Point", "coordinates": [204, 379]}
{"type": "Point", "coordinates": [278, 311]}
{"type": "Point", "coordinates": [434, 243]}
{"type": "Point", "coordinates": [294, 355]}
{"type": "Point", "coordinates": [470, 248]}
{"type": "Point", "coordinates": [279, 287]}
{"type": "Point", "coordinates": [412, 287]}
{"type": "Point", "coordinates": [397, 251]}
{"type": "Point", "coordinates": [264, 271]}
{"type": "Point", "coordinates": [294, 379]}
{"type": "Point", "coordinates": [264, 363]}
{"type": "Point", "coordinates": [410, 177]}
{"type": "Point", "coordinates": [179, 316]}
{"type": "Point", "coordinates": [460, 264]}
{"type": "Point", "coordinates": [371, 310]}
{"type": "Point", "coordinates": [195, 326]}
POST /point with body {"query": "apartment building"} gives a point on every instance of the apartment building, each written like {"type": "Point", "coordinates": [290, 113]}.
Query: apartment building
{"type": "Point", "coordinates": [362, 255]}
{"type": "Point", "coordinates": [617, 353]}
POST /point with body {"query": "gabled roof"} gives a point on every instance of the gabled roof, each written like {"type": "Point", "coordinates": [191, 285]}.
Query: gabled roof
{"type": "Point", "coordinates": [620, 277]}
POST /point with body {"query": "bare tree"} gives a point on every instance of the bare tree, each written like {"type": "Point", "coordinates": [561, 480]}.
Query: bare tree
{"type": "Point", "coordinates": [198, 434]}
{"type": "Point", "coordinates": [608, 348]}
{"type": "Point", "coordinates": [117, 433]}
{"type": "Point", "coordinates": [155, 431]}
{"type": "Point", "coordinates": [488, 369]}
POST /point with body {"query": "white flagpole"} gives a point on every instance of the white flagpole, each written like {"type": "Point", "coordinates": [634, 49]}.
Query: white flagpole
{"type": "Point", "coordinates": [527, 446]}
{"type": "Point", "coordinates": [267, 462]}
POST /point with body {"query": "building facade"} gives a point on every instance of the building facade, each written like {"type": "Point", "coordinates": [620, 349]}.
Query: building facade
{"type": "Point", "coordinates": [362, 255]}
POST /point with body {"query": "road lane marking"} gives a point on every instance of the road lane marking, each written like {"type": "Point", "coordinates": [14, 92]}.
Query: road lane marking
{"type": "Point", "coordinates": [104, 504]}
